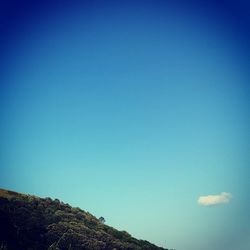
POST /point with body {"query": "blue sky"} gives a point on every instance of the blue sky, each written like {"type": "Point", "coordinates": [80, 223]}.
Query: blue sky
{"type": "Point", "coordinates": [131, 110]}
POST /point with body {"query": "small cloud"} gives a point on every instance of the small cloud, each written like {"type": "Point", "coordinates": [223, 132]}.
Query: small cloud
{"type": "Point", "coordinates": [211, 200]}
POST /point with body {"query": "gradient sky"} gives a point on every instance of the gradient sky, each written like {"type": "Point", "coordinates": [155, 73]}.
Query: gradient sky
{"type": "Point", "coordinates": [131, 110]}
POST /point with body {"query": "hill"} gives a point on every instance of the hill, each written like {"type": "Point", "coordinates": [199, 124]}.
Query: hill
{"type": "Point", "coordinates": [30, 222]}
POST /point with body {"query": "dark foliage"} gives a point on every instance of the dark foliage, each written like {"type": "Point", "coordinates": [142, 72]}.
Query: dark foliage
{"type": "Point", "coordinates": [32, 223]}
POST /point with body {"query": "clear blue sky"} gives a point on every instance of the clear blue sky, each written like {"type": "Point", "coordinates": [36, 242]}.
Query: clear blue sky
{"type": "Point", "coordinates": [131, 110]}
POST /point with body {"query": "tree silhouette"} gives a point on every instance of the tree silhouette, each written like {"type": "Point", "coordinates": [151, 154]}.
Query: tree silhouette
{"type": "Point", "coordinates": [102, 220]}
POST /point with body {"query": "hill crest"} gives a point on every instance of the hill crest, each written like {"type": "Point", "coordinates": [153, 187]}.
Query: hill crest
{"type": "Point", "coordinates": [31, 222]}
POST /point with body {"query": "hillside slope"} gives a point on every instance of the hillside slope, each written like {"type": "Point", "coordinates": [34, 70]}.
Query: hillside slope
{"type": "Point", "coordinates": [30, 222]}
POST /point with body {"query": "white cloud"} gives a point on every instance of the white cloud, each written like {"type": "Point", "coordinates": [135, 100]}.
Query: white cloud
{"type": "Point", "coordinates": [211, 200]}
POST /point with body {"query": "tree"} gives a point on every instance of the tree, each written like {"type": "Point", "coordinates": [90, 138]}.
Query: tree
{"type": "Point", "coordinates": [102, 220]}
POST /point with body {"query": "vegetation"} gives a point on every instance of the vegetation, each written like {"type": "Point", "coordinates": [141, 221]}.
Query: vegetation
{"type": "Point", "coordinates": [33, 223]}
